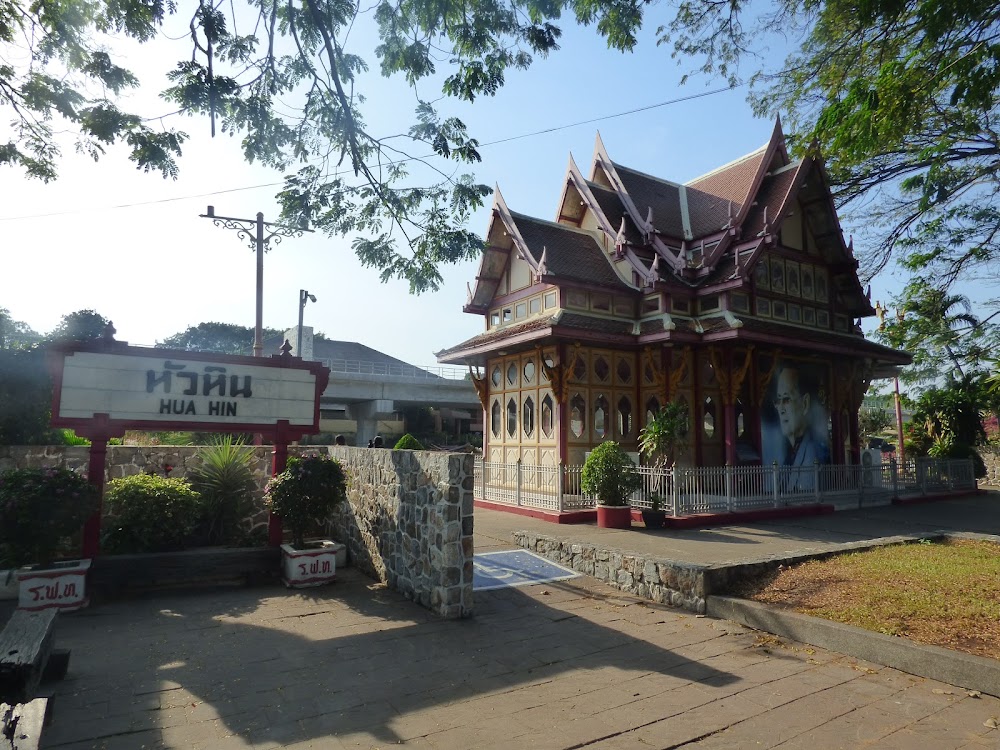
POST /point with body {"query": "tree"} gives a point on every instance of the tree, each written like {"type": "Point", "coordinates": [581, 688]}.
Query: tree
{"type": "Point", "coordinates": [945, 338]}
{"type": "Point", "coordinates": [901, 96]}
{"type": "Point", "coordinates": [225, 338]}
{"type": "Point", "coordinates": [15, 334]}
{"type": "Point", "coordinates": [81, 325]}
{"type": "Point", "coordinates": [290, 90]}
{"type": "Point", "coordinates": [25, 398]}
{"type": "Point", "coordinates": [665, 434]}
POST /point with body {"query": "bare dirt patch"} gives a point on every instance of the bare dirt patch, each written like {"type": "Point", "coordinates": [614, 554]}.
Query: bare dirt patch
{"type": "Point", "coordinates": [944, 594]}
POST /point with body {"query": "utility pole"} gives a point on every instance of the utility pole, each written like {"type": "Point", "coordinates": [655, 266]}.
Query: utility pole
{"type": "Point", "coordinates": [304, 297]}
{"type": "Point", "coordinates": [258, 235]}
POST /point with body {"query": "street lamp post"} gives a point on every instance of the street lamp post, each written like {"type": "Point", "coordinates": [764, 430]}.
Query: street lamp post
{"type": "Point", "coordinates": [259, 234]}
{"type": "Point", "coordinates": [304, 297]}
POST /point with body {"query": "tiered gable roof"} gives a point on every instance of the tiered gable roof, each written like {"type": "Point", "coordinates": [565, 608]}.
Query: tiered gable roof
{"type": "Point", "coordinates": [631, 233]}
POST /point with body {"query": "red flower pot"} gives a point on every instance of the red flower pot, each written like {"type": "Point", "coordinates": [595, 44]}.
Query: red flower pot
{"type": "Point", "coordinates": [614, 516]}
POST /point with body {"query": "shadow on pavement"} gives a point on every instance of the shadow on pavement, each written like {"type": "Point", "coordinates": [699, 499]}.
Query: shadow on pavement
{"type": "Point", "coordinates": [188, 670]}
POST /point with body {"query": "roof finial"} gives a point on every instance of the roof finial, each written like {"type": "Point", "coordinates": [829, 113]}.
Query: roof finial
{"type": "Point", "coordinates": [868, 293]}
{"type": "Point", "coordinates": [620, 239]}
{"type": "Point", "coordinates": [468, 293]}
{"type": "Point", "coordinates": [850, 246]}
{"type": "Point", "coordinates": [649, 218]}
{"type": "Point", "coordinates": [542, 265]}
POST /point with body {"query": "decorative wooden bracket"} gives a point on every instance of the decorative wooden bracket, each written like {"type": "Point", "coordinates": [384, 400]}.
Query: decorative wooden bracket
{"type": "Point", "coordinates": [659, 373]}
{"type": "Point", "coordinates": [678, 373]}
{"type": "Point", "coordinates": [731, 382]}
{"type": "Point", "coordinates": [558, 373]}
{"type": "Point", "coordinates": [765, 380]}
{"type": "Point", "coordinates": [482, 388]}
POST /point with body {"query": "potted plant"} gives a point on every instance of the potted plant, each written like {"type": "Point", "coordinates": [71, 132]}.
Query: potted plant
{"type": "Point", "coordinates": [610, 476]}
{"type": "Point", "coordinates": [303, 496]}
{"type": "Point", "coordinates": [659, 442]}
{"type": "Point", "coordinates": [653, 516]}
{"type": "Point", "coordinates": [40, 509]}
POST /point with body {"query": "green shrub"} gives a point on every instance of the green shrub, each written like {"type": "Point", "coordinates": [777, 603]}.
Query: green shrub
{"type": "Point", "coordinates": [408, 443]}
{"type": "Point", "coordinates": [226, 484]}
{"type": "Point", "coordinates": [305, 493]}
{"type": "Point", "coordinates": [609, 475]}
{"type": "Point", "coordinates": [39, 510]}
{"type": "Point", "coordinates": [150, 514]}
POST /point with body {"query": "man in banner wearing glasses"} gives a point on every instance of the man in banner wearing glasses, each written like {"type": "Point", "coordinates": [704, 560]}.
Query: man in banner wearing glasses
{"type": "Point", "coordinates": [803, 443]}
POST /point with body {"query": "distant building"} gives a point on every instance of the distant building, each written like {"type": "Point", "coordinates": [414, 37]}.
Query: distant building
{"type": "Point", "coordinates": [369, 391]}
{"type": "Point", "coordinates": [734, 294]}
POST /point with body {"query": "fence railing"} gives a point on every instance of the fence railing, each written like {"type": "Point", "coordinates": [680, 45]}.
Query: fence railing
{"type": "Point", "coordinates": [357, 367]}
{"type": "Point", "coordinates": [726, 489]}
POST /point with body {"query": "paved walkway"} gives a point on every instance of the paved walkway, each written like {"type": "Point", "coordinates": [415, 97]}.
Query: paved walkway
{"type": "Point", "coordinates": [978, 513]}
{"type": "Point", "coordinates": [569, 664]}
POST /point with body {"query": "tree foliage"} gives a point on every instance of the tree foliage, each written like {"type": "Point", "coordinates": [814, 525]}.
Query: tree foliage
{"type": "Point", "coordinates": [81, 325]}
{"type": "Point", "coordinates": [939, 329]}
{"type": "Point", "coordinates": [15, 334]}
{"type": "Point", "coordinates": [901, 96]}
{"type": "Point", "coordinates": [286, 78]}
{"type": "Point", "coordinates": [224, 338]}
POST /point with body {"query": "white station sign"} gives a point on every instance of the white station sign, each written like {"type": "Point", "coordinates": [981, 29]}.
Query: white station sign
{"type": "Point", "coordinates": [151, 389]}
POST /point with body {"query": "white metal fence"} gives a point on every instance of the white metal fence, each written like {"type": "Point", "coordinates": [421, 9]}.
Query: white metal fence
{"type": "Point", "coordinates": [725, 489]}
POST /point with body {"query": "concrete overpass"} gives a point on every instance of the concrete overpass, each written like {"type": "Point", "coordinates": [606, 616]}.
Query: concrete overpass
{"type": "Point", "coordinates": [369, 386]}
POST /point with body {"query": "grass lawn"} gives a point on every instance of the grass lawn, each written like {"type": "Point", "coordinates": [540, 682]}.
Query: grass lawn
{"type": "Point", "coordinates": [945, 594]}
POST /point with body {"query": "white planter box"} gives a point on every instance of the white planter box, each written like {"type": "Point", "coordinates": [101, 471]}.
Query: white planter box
{"type": "Point", "coordinates": [314, 566]}
{"type": "Point", "coordinates": [59, 586]}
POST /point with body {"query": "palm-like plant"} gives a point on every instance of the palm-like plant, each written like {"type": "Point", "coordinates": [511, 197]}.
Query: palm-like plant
{"type": "Point", "coordinates": [665, 435]}
{"type": "Point", "coordinates": [226, 483]}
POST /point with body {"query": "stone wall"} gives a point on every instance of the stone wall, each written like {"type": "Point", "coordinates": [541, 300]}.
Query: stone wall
{"type": "Point", "coordinates": [678, 584]}
{"type": "Point", "coordinates": [408, 522]}
{"type": "Point", "coordinates": [992, 461]}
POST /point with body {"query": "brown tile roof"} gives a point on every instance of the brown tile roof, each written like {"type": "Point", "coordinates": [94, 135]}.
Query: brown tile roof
{"type": "Point", "coordinates": [651, 326]}
{"type": "Point", "coordinates": [806, 337]}
{"type": "Point", "coordinates": [591, 323]}
{"type": "Point", "coordinates": [772, 193]}
{"type": "Point", "coordinates": [498, 334]}
{"type": "Point", "coordinates": [611, 206]}
{"type": "Point", "coordinates": [733, 181]}
{"type": "Point", "coordinates": [715, 324]}
{"type": "Point", "coordinates": [569, 253]}
{"type": "Point", "coordinates": [707, 213]}
{"type": "Point", "coordinates": [664, 197]}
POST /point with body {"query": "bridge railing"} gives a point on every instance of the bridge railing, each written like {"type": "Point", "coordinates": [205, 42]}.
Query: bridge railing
{"type": "Point", "coordinates": [400, 370]}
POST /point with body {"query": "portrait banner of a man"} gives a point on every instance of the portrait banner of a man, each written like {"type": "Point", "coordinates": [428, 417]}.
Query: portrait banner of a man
{"type": "Point", "coordinates": [795, 423]}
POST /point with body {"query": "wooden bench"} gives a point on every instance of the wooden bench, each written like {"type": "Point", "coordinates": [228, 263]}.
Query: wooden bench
{"type": "Point", "coordinates": [26, 659]}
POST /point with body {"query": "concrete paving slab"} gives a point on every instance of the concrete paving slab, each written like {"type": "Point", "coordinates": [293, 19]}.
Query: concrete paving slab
{"type": "Point", "coordinates": [580, 665]}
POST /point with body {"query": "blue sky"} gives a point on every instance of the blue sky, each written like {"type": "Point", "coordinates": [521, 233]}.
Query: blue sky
{"type": "Point", "coordinates": [132, 246]}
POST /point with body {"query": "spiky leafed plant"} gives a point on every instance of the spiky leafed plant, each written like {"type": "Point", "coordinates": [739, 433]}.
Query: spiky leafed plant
{"type": "Point", "coordinates": [665, 435]}
{"type": "Point", "coordinates": [226, 483]}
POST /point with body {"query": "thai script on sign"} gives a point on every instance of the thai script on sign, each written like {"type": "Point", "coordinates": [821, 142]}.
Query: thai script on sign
{"type": "Point", "coordinates": [213, 381]}
{"type": "Point", "coordinates": [53, 592]}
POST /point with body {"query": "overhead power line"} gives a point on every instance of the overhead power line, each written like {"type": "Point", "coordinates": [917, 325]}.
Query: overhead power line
{"type": "Point", "coordinates": [496, 142]}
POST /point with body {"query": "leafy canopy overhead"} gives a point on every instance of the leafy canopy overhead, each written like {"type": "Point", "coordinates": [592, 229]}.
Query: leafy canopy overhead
{"type": "Point", "coordinates": [290, 90]}
{"type": "Point", "coordinates": [901, 97]}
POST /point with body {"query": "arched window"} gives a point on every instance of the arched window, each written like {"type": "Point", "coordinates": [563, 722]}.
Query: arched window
{"type": "Point", "coordinates": [601, 417]}
{"type": "Point", "coordinates": [547, 416]}
{"type": "Point", "coordinates": [512, 374]}
{"type": "Point", "coordinates": [529, 371]}
{"type": "Point", "coordinates": [624, 417]}
{"type": "Point", "coordinates": [652, 409]}
{"type": "Point", "coordinates": [495, 418]}
{"type": "Point", "coordinates": [496, 377]}
{"type": "Point", "coordinates": [577, 415]}
{"type": "Point", "coordinates": [740, 421]}
{"type": "Point", "coordinates": [528, 416]}
{"type": "Point", "coordinates": [580, 369]}
{"type": "Point", "coordinates": [709, 417]}
{"type": "Point", "coordinates": [511, 417]}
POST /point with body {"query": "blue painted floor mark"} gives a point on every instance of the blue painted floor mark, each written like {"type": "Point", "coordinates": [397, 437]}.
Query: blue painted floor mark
{"type": "Point", "coordinates": [497, 570]}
